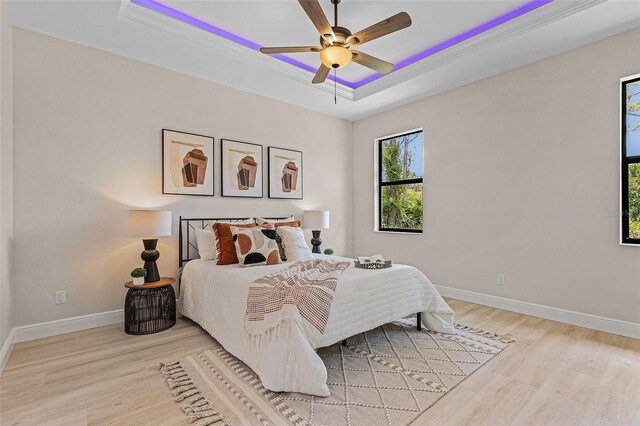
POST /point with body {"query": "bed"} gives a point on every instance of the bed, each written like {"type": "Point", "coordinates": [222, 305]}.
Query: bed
{"type": "Point", "coordinates": [215, 297]}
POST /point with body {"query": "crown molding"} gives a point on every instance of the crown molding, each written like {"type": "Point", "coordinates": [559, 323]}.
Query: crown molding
{"type": "Point", "coordinates": [532, 20]}
{"type": "Point", "coordinates": [226, 48]}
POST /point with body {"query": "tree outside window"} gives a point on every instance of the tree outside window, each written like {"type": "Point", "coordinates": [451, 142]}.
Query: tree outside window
{"type": "Point", "coordinates": [631, 161]}
{"type": "Point", "coordinates": [400, 183]}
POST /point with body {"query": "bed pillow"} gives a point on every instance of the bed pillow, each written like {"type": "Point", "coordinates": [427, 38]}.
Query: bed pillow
{"type": "Point", "coordinates": [293, 223]}
{"type": "Point", "coordinates": [238, 222]}
{"type": "Point", "coordinates": [295, 246]}
{"type": "Point", "coordinates": [206, 244]}
{"type": "Point", "coordinates": [256, 246]}
{"type": "Point", "coordinates": [225, 246]}
{"type": "Point", "coordinates": [262, 221]}
{"type": "Point", "coordinates": [267, 223]}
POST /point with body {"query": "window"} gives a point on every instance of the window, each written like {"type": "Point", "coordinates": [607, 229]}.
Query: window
{"type": "Point", "coordinates": [630, 151]}
{"type": "Point", "coordinates": [400, 183]}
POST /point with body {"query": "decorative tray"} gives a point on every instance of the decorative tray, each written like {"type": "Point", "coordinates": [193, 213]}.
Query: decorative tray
{"type": "Point", "coordinates": [373, 265]}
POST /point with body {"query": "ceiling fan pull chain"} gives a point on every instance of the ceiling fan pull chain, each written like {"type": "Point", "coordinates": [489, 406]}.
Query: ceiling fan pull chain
{"type": "Point", "coordinates": [335, 86]}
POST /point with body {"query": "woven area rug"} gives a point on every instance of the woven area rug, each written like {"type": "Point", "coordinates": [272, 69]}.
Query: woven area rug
{"type": "Point", "coordinates": [386, 376]}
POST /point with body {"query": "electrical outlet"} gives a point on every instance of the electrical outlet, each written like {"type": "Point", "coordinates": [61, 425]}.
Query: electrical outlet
{"type": "Point", "coordinates": [61, 297]}
{"type": "Point", "coordinates": [500, 279]}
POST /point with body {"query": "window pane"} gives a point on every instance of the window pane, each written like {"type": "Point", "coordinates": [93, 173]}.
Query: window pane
{"type": "Point", "coordinates": [632, 118]}
{"type": "Point", "coordinates": [634, 200]}
{"type": "Point", "coordinates": [402, 157]}
{"type": "Point", "coordinates": [402, 206]}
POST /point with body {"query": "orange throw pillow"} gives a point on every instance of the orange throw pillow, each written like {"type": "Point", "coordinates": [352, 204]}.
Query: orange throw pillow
{"type": "Point", "coordinates": [271, 225]}
{"type": "Point", "coordinates": [226, 247]}
{"type": "Point", "coordinates": [293, 224]}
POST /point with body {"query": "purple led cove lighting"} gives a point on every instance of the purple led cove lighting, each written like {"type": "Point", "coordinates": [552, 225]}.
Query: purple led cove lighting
{"type": "Point", "coordinates": [527, 7]}
{"type": "Point", "coordinates": [181, 16]}
{"type": "Point", "coordinates": [187, 19]}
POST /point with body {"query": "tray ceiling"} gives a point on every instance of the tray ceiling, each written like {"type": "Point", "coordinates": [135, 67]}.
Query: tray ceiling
{"type": "Point", "coordinates": [284, 23]}
{"type": "Point", "coordinates": [459, 41]}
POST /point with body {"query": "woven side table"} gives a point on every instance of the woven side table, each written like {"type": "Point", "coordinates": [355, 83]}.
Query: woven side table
{"type": "Point", "coordinates": [150, 308]}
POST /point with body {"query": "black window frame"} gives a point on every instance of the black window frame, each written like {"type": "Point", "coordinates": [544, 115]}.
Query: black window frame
{"type": "Point", "coordinates": [382, 184]}
{"type": "Point", "coordinates": [625, 162]}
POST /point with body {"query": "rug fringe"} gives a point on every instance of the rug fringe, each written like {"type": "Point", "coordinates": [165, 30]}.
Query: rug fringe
{"type": "Point", "coordinates": [198, 409]}
{"type": "Point", "coordinates": [181, 376]}
{"type": "Point", "coordinates": [491, 335]}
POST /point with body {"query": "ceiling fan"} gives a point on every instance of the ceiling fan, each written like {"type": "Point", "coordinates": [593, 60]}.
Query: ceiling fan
{"type": "Point", "coordinates": [336, 42]}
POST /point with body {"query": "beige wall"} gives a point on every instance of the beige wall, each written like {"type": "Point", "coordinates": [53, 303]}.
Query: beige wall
{"type": "Point", "coordinates": [87, 149]}
{"type": "Point", "coordinates": [521, 172]}
{"type": "Point", "coordinates": [6, 171]}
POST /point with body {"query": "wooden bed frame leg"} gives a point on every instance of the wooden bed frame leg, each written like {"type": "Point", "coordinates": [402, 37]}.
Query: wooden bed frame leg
{"type": "Point", "coordinates": [419, 321]}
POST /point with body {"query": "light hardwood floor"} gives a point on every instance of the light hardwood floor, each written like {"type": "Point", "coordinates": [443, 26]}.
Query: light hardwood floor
{"type": "Point", "coordinates": [554, 374]}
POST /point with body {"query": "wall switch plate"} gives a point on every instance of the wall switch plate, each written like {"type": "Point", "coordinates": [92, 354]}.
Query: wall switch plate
{"type": "Point", "coordinates": [61, 297]}
{"type": "Point", "coordinates": [500, 279]}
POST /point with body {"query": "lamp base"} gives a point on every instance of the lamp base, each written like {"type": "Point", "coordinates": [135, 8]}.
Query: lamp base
{"type": "Point", "coordinates": [316, 241]}
{"type": "Point", "coordinates": [150, 255]}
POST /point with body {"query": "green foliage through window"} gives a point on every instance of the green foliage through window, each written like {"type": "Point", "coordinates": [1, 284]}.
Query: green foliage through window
{"type": "Point", "coordinates": [400, 181]}
{"type": "Point", "coordinates": [631, 161]}
{"type": "Point", "coordinates": [634, 200]}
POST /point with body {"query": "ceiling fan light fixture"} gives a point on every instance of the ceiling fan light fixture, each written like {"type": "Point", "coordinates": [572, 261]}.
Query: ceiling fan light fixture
{"type": "Point", "coordinates": [335, 56]}
{"type": "Point", "coordinates": [335, 41]}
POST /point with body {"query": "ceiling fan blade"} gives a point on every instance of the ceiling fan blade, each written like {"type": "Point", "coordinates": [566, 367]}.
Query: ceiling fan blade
{"type": "Point", "coordinates": [382, 28]}
{"type": "Point", "coordinates": [372, 62]}
{"type": "Point", "coordinates": [321, 75]}
{"type": "Point", "coordinates": [291, 49]}
{"type": "Point", "coordinates": [317, 16]}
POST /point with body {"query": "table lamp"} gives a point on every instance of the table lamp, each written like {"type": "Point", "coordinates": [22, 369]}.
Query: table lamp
{"type": "Point", "coordinates": [150, 224]}
{"type": "Point", "coordinates": [316, 220]}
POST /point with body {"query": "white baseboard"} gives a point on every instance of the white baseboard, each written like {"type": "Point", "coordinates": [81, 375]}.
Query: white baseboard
{"type": "Point", "coordinates": [6, 350]}
{"type": "Point", "coordinates": [595, 322]}
{"type": "Point", "coordinates": [53, 328]}
{"type": "Point", "coordinates": [66, 325]}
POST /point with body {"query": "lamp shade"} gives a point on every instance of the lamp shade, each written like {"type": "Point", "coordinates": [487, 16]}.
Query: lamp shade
{"type": "Point", "coordinates": [149, 223]}
{"type": "Point", "coordinates": [316, 219]}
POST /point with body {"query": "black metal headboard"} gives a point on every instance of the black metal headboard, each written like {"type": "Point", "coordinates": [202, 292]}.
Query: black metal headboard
{"type": "Point", "coordinates": [187, 248]}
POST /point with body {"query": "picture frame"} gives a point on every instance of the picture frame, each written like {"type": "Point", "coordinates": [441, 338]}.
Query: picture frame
{"type": "Point", "coordinates": [187, 163]}
{"type": "Point", "coordinates": [286, 172]}
{"type": "Point", "coordinates": [241, 169]}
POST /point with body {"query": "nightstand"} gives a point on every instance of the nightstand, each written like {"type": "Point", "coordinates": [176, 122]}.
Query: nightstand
{"type": "Point", "coordinates": [150, 308]}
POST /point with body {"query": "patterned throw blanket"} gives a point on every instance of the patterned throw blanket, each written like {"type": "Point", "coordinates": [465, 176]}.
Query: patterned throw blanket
{"type": "Point", "coordinates": [302, 292]}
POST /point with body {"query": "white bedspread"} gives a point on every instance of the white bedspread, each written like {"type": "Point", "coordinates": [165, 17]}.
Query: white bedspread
{"type": "Point", "coordinates": [216, 296]}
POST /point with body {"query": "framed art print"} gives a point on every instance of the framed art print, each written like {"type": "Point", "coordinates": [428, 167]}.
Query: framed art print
{"type": "Point", "coordinates": [241, 169]}
{"type": "Point", "coordinates": [285, 173]}
{"type": "Point", "coordinates": [187, 163]}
